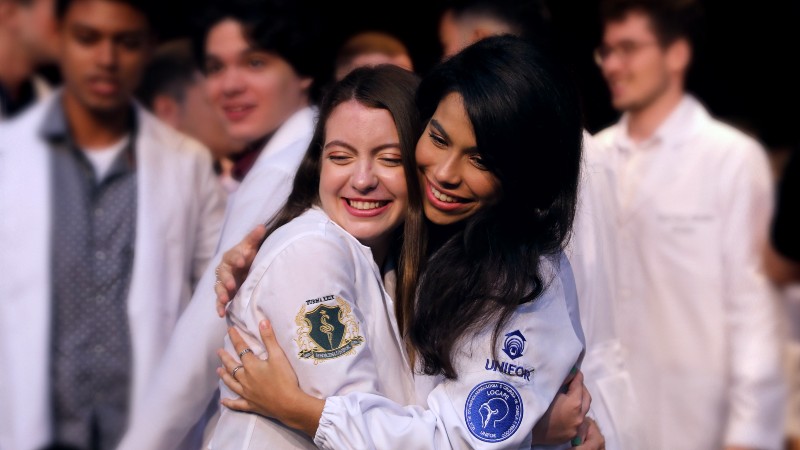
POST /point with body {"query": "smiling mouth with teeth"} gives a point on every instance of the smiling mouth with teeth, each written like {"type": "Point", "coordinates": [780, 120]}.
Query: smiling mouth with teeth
{"type": "Point", "coordinates": [442, 196]}
{"type": "Point", "coordinates": [366, 205]}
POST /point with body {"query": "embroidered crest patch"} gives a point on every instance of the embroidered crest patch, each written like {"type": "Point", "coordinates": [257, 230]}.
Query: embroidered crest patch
{"type": "Point", "coordinates": [493, 411]}
{"type": "Point", "coordinates": [327, 331]}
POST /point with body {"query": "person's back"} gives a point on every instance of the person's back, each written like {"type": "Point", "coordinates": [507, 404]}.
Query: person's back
{"type": "Point", "coordinates": [110, 218]}
{"type": "Point", "coordinates": [694, 198]}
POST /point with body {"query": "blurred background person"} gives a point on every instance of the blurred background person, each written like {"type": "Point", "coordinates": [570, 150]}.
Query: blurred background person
{"type": "Point", "coordinates": [783, 268]}
{"type": "Point", "coordinates": [694, 199]}
{"type": "Point", "coordinates": [463, 22]}
{"type": "Point", "coordinates": [264, 64]}
{"type": "Point", "coordinates": [28, 40]}
{"type": "Point", "coordinates": [113, 218]}
{"type": "Point", "coordinates": [173, 89]}
{"type": "Point", "coordinates": [371, 47]}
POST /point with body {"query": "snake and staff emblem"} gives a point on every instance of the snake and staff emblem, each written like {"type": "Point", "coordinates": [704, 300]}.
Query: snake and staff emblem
{"type": "Point", "coordinates": [326, 327]}
{"type": "Point", "coordinates": [327, 331]}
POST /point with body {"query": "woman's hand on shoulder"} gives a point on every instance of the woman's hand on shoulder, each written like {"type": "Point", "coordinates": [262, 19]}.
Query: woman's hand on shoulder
{"type": "Point", "coordinates": [268, 387]}
{"type": "Point", "coordinates": [234, 266]}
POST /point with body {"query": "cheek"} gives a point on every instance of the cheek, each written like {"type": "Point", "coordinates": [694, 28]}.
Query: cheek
{"type": "Point", "coordinates": [330, 183]}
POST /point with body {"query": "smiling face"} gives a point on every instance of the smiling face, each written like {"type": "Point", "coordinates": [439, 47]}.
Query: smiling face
{"type": "Point", "coordinates": [454, 182]}
{"type": "Point", "coordinates": [253, 90]}
{"type": "Point", "coordinates": [104, 48]}
{"type": "Point", "coordinates": [362, 183]}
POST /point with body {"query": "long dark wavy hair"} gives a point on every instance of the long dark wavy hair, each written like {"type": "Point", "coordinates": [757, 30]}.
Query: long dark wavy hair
{"type": "Point", "coordinates": [384, 87]}
{"type": "Point", "coordinates": [527, 120]}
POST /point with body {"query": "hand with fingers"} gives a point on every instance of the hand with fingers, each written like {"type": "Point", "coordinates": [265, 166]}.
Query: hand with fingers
{"type": "Point", "coordinates": [268, 387]}
{"type": "Point", "coordinates": [594, 439]}
{"type": "Point", "coordinates": [565, 419]}
{"type": "Point", "coordinates": [235, 265]}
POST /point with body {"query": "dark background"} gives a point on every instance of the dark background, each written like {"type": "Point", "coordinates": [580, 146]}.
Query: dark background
{"type": "Point", "coordinates": [744, 68]}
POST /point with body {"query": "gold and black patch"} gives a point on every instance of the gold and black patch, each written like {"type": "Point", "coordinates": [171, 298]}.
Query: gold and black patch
{"type": "Point", "coordinates": [327, 331]}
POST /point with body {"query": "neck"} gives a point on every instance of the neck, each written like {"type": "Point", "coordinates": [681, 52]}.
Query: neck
{"type": "Point", "coordinates": [93, 129]}
{"type": "Point", "coordinates": [643, 122]}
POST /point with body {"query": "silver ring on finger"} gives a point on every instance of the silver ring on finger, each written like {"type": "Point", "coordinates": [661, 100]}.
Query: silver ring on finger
{"type": "Point", "coordinates": [244, 352]}
{"type": "Point", "coordinates": [235, 369]}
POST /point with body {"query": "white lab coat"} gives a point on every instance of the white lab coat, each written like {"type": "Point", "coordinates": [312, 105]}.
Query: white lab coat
{"type": "Point", "coordinates": [591, 253]}
{"type": "Point", "coordinates": [323, 294]}
{"type": "Point", "coordinates": [180, 207]}
{"type": "Point", "coordinates": [693, 307]}
{"type": "Point", "coordinates": [171, 409]}
{"type": "Point", "coordinates": [494, 402]}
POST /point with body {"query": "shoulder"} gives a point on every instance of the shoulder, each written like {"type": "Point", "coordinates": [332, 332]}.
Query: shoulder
{"type": "Point", "coordinates": [309, 240]}
{"type": "Point", "coordinates": [602, 139]}
{"type": "Point", "coordinates": [25, 125]}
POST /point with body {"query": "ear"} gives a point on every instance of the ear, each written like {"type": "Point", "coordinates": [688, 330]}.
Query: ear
{"type": "Point", "coordinates": [167, 109]}
{"type": "Point", "coordinates": [679, 55]}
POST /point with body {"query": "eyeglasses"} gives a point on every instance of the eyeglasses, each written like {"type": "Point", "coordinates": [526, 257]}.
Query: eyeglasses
{"type": "Point", "coordinates": [624, 50]}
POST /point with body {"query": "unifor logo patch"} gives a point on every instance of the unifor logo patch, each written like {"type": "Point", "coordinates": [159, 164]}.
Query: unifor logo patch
{"type": "Point", "coordinates": [327, 331]}
{"type": "Point", "coordinates": [514, 344]}
{"type": "Point", "coordinates": [493, 411]}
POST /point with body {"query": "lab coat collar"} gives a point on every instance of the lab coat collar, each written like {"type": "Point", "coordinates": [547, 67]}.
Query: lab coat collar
{"type": "Point", "coordinates": [681, 124]}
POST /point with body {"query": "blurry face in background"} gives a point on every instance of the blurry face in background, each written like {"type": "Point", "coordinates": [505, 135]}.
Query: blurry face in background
{"type": "Point", "coordinates": [362, 182]}
{"type": "Point", "coordinates": [453, 35]}
{"type": "Point", "coordinates": [104, 48]}
{"type": "Point", "coordinates": [199, 119]}
{"type": "Point", "coordinates": [633, 63]}
{"type": "Point", "coordinates": [454, 182]}
{"type": "Point", "coordinates": [253, 91]}
{"type": "Point", "coordinates": [38, 30]}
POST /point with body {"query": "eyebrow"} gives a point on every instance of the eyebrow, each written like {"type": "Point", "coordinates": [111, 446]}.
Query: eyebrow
{"type": "Point", "coordinates": [339, 143]}
{"type": "Point", "coordinates": [435, 124]}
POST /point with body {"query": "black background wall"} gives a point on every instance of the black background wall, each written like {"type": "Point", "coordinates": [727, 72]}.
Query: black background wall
{"type": "Point", "coordinates": [744, 70]}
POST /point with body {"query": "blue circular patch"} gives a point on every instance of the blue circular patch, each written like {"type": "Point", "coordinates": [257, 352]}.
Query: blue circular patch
{"type": "Point", "coordinates": [493, 411]}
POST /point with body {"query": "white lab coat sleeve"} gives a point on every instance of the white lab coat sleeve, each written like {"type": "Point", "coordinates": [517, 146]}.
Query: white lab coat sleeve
{"type": "Point", "coordinates": [493, 404]}
{"type": "Point", "coordinates": [309, 294]}
{"type": "Point", "coordinates": [757, 387]}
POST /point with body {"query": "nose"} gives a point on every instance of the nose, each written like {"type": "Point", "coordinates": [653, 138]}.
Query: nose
{"type": "Point", "coordinates": [447, 171]}
{"type": "Point", "coordinates": [232, 82]}
{"type": "Point", "coordinates": [107, 54]}
{"type": "Point", "coordinates": [364, 179]}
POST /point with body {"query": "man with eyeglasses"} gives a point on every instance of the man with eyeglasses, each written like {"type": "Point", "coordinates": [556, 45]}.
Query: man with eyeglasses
{"type": "Point", "coordinates": [694, 200]}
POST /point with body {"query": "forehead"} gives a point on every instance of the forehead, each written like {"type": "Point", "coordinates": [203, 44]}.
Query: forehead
{"type": "Point", "coordinates": [107, 16]}
{"type": "Point", "coordinates": [635, 25]}
{"type": "Point", "coordinates": [225, 38]}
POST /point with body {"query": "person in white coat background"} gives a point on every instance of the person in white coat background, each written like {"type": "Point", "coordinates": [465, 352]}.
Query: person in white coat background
{"type": "Point", "coordinates": [694, 200]}
{"type": "Point", "coordinates": [107, 219]}
{"type": "Point", "coordinates": [262, 62]}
